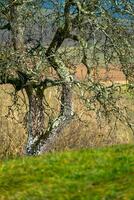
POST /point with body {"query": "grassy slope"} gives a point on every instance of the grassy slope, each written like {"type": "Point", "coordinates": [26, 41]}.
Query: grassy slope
{"type": "Point", "coordinates": [106, 173]}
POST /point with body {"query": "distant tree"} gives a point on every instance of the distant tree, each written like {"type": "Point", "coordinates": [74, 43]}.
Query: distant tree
{"type": "Point", "coordinates": [39, 34]}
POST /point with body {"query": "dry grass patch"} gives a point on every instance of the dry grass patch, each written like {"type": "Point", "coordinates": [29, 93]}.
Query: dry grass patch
{"type": "Point", "coordinates": [83, 132]}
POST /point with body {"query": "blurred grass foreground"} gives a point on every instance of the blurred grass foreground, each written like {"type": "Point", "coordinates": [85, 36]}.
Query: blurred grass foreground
{"type": "Point", "coordinates": [102, 173]}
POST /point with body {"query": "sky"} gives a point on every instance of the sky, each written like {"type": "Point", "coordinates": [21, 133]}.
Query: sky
{"type": "Point", "coordinates": [106, 3]}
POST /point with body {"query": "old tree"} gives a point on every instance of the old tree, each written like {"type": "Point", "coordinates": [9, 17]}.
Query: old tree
{"type": "Point", "coordinates": [38, 35]}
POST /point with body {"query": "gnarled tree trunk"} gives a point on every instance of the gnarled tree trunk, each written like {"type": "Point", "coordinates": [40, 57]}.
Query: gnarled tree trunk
{"type": "Point", "coordinates": [35, 119]}
{"type": "Point", "coordinates": [39, 140]}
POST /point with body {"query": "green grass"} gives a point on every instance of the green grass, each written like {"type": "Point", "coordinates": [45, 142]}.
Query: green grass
{"type": "Point", "coordinates": [104, 173]}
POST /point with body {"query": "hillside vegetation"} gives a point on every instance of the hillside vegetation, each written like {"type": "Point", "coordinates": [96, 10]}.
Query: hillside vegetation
{"type": "Point", "coordinates": [103, 173]}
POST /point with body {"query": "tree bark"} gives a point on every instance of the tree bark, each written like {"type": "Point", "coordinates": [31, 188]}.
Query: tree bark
{"type": "Point", "coordinates": [17, 25]}
{"type": "Point", "coordinates": [65, 116]}
{"type": "Point", "coordinates": [35, 120]}
{"type": "Point", "coordinates": [39, 140]}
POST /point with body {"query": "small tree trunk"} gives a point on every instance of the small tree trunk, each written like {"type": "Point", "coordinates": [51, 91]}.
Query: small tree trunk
{"type": "Point", "coordinates": [65, 116]}
{"type": "Point", "coordinates": [35, 120]}
{"type": "Point", "coordinates": [17, 25]}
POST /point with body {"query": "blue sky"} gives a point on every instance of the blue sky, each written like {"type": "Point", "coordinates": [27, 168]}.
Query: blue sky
{"type": "Point", "coordinates": [107, 4]}
{"type": "Point", "coordinates": [49, 5]}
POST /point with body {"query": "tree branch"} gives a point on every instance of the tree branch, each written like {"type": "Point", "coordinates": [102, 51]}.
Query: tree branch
{"type": "Point", "coordinates": [5, 79]}
{"type": "Point", "coordinates": [60, 35]}
{"type": "Point", "coordinates": [6, 26]}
